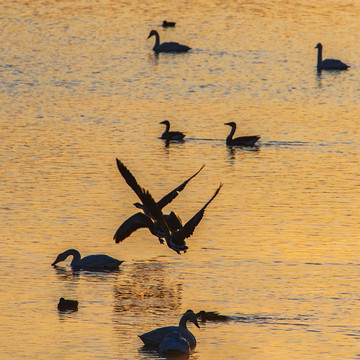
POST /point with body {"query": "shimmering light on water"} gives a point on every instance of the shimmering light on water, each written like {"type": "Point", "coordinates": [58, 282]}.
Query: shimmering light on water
{"type": "Point", "coordinates": [277, 249]}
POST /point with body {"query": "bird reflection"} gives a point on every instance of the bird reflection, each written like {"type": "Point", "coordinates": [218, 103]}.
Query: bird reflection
{"type": "Point", "coordinates": [147, 290]}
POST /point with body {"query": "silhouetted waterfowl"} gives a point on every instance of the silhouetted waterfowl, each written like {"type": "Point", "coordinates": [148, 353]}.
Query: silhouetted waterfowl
{"type": "Point", "coordinates": [65, 305]}
{"type": "Point", "coordinates": [156, 223]}
{"type": "Point", "coordinates": [91, 262]}
{"type": "Point", "coordinates": [169, 47]}
{"type": "Point", "coordinates": [328, 64]}
{"type": "Point", "coordinates": [171, 135]}
{"type": "Point", "coordinates": [204, 316]}
{"type": "Point", "coordinates": [168, 24]}
{"type": "Point", "coordinates": [174, 344]}
{"type": "Point", "coordinates": [155, 337]}
{"type": "Point", "coordinates": [139, 220]}
{"type": "Point", "coordinates": [242, 140]}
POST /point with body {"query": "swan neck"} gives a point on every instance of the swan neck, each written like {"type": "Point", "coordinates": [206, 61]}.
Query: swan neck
{"type": "Point", "coordinates": [232, 132]}
{"type": "Point", "coordinates": [183, 322]}
{"type": "Point", "coordinates": [319, 57]}
{"type": "Point", "coordinates": [167, 127]}
{"type": "Point", "coordinates": [157, 40]}
{"type": "Point", "coordinates": [76, 256]}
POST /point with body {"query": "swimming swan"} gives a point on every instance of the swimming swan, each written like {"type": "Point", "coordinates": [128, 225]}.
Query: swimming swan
{"type": "Point", "coordinates": [172, 47]}
{"type": "Point", "coordinates": [171, 135]}
{"type": "Point", "coordinates": [91, 262]}
{"type": "Point", "coordinates": [156, 222]}
{"type": "Point", "coordinates": [328, 64]}
{"type": "Point", "coordinates": [155, 337]}
{"type": "Point", "coordinates": [242, 140]}
{"type": "Point", "coordinates": [174, 344]}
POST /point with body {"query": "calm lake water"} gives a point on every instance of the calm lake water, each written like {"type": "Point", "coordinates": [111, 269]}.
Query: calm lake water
{"type": "Point", "coordinates": [277, 250]}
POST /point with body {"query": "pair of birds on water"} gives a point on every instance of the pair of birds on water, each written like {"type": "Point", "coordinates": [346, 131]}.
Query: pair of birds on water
{"type": "Point", "coordinates": [230, 141]}
{"type": "Point", "coordinates": [174, 47]}
{"type": "Point", "coordinates": [178, 339]}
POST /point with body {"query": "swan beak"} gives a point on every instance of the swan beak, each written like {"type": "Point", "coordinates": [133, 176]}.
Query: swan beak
{"type": "Point", "coordinates": [196, 324]}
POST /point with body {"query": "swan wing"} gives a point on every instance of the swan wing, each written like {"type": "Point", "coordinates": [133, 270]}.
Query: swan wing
{"type": "Point", "coordinates": [133, 223]}
{"type": "Point", "coordinates": [167, 199]}
{"type": "Point", "coordinates": [146, 198]}
{"type": "Point", "coordinates": [188, 229]}
{"type": "Point", "coordinates": [129, 178]}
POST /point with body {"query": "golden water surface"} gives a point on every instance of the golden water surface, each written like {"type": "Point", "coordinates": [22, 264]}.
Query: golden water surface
{"type": "Point", "coordinates": [277, 250]}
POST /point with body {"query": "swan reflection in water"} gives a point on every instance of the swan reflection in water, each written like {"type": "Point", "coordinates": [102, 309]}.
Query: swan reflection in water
{"type": "Point", "coordinates": [146, 288]}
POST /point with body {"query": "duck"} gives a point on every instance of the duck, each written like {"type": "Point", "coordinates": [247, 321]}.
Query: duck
{"type": "Point", "coordinates": [174, 344]}
{"type": "Point", "coordinates": [90, 262]}
{"type": "Point", "coordinates": [155, 337]}
{"type": "Point", "coordinates": [65, 305]}
{"type": "Point", "coordinates": [156, 221]}
{"type": "Point", "coordinates": [168, 24]}
{"type": "Point", "coordinates": [168, 47]}
{"type": "Point", "coordinates": [171, 135]}
{"type": "Point", "coordinates": [328, 64]}
{"type": "Point", "coordinates": [242, 140]}
{"type": "Point", "coordinates": [204, 316]}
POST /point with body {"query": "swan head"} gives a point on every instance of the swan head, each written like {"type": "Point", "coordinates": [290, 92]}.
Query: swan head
{"type": "Point", "coordinates": [231, 123]}
{"type": "Point", "coordinates": [165, 122]}
{"type": "Point", "coordinates": [64, 255]}
{"type": "Point", "coordinates": [191, 316]}
{"type": "Point", "coordinates": [318, 46]}
{"type": "Point", "coordinates": [60, 257]}
{"type": "Point", "coordinates": [153, 33]}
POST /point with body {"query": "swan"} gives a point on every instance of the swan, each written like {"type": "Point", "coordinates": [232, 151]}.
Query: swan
{"type": "Point", "coordinates": [91, 262]}
{"type": "Point", "coordinates": [172, 47]}
{"type": "Point", "coordinates": [168, 24]}
{"type": "Point", "coordinates": [328, 64]}
{"type": "Point", "coordinates": [174, 344]}
{"type": "Point", "coordinates": [171, 135]}
{"type": "Point", "coordinates": [156, 221]}
{"type": "Point", "coordinates": [155, 337]}
{"type": "Point", "coordinates": [242, 140]}
{"type": "Point", "coordinates": [64, 305]}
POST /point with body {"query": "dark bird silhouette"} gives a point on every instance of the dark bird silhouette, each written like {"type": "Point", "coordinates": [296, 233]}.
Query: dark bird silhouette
{"type": "Point", "coordinates": [171, 135]}
{"type": "Point", "coordinates": [65, 305]}
{"type": "Point", "coordinates": [166, 24]}
{"type": "Point", "coordinates": [204, 316]}
{"type": "Point", "coordinates": [146, 220]}
{"type": "Point", "coordinates": [242, 140]}
{"type": "Point", "coordinates": [328, 64]}
{"type": "Point", "coordinates": [156, 221]}
{"type": "Point", "coordinates": [90, 262]}
{"type": "Point", "coordinates": [155, 337]}
{"type": "Point", "coordinates": [168, 47]}
{"type": "Point", "coordinates": [174, 345]}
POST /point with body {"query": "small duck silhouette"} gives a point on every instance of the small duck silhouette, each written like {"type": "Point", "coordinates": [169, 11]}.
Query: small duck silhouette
{"type": "Point", "coordinates": [65, 305]}
{"type": "Point", "coordinates": [168, 24]}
